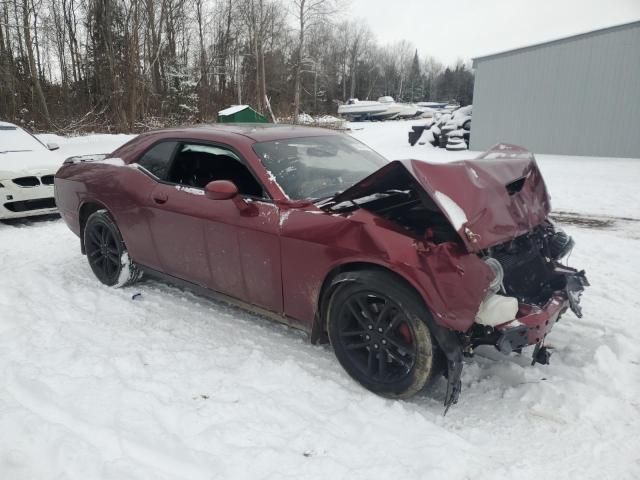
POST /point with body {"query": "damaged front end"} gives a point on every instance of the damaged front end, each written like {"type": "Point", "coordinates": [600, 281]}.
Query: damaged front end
{"type": "Point", "coordinates": [502, 282]}
{"type": "Point", "coordinates": [532, 290]}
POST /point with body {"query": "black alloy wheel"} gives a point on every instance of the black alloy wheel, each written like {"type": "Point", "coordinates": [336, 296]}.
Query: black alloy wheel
{"type": "Point", "coordinates": [377, 337]}
{"type": "Point", "coordinates": [106, 252]}
{"type": "Point", "coordinates": [377, 330]}
{"type": "Point", "coordinates": [103, 253]}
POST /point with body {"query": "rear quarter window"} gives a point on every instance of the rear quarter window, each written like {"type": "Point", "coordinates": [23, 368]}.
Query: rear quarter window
{"type": "Point", "coordinates": [157, 160]}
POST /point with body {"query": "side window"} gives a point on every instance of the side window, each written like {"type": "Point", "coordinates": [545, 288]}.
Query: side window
{"type": "Point", "coordinates": [157, 159]}
{"type": "Point", "coordinates": [196, 165]}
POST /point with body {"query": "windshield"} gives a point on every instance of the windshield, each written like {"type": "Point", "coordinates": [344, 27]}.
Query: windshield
{"type": "Point", "coordinates": [14, 139]}
{"type": "Point", "coordinates": [318, 167]}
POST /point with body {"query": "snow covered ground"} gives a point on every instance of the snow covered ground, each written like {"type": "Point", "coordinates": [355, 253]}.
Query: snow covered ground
{"type": "Point", "coordinates": [97, 385]}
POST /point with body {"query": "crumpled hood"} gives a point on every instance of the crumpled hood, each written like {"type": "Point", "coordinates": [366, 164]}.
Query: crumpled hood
{"type": "Point", "coordinates": [19, 164]}
{"type": "Point", "coordinates": [494, 198]}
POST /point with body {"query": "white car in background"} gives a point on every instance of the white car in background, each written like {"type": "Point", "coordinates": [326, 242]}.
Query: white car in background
{"type": "Point", "coordinates": [27, 167]}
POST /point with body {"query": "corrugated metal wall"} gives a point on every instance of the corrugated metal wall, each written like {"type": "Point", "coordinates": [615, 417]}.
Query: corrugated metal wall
{"type": "Point", "coordinates": [577, 96]}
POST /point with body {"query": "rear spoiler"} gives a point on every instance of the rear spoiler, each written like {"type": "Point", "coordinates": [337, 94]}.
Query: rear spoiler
{"type": "Point", "coordinates": [85, 158]}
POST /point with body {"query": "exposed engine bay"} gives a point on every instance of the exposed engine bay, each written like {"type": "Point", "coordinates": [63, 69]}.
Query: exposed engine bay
{"type": "Point", "coordinates": [529, 264]}
{"type": "Point", "coordinates": [528, 276]}
{"type": "Point", "coordinates": [411, 209]}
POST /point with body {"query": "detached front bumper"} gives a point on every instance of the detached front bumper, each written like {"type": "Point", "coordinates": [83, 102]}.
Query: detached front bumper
{"type": "Point", "coordinates": [23, 201]}
{"type": "Point", "coordinates": [533, 323]}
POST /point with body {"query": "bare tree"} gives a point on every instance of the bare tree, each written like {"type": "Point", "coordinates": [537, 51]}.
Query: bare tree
{"type": "Point", "coordinates": [34, 73]}
{"type": "Point", "coordinates": [7, 63]}
{"type": "Point", "coordinates": [308, 14]}
{"type": "Point", "coordinates": [402, 53]}
{"type": "Point", "coordinates": [361, 36]}
{"type": "Point", "coordinates": [136, 64]}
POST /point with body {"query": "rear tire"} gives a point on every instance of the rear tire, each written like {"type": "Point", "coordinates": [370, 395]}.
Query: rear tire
{"type": "Point", "coordinates": [107, 253]}
{"type": "Point", "coordinates": [377, 329]}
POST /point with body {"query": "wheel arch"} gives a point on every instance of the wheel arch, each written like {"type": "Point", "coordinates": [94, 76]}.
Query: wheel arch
{"type": "Point", "coordinates": [86, 209]}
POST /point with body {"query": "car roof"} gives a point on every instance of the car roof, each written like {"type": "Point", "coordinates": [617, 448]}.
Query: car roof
{"type": "Point", "coordinates": [8, 126]}
{"type": "Point", "coordinates": [259, 132]}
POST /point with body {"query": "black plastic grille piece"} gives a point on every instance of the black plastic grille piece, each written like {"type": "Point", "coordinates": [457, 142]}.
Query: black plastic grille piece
{"type": "Point", "coordinates": [26, 181]}
{"type": "Point", "coordinates": [47, 180]}
{"type": "Point", "coordinates": [27, 205]}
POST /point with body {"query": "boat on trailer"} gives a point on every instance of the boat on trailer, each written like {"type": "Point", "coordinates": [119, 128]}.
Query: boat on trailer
{"type": "Point", "coordinates": [386, 108]}
{"type": "Point", "coordinates": [361, 109]}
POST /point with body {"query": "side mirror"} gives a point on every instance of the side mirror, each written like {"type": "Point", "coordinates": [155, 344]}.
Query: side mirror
{"type": "Point", "coordinates": [53, 146]}
{"type": "Point", "coordinates": [221, 190]}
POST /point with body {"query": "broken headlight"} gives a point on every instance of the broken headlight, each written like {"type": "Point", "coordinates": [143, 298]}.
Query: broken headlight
{"type": "Point", "coordinates": [498, 273]}
{"type": "Point", "coordinates": [560, 244]}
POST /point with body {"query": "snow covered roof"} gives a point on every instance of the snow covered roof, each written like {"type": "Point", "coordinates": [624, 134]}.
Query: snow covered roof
{"type": "Point", "coordinates": [231, 110]}
{"type": "Point", "coordinates": [7, 125]}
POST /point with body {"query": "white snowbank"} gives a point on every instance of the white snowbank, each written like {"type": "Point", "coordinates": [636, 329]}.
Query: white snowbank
{"type": "Point", "coordinates": [323, 120]}
{"type": "Point", "coordinates": [305, 119]}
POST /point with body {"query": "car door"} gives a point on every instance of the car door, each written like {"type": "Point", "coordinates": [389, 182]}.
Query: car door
{"type": "Point", "coordinates": [136, 204]}
{"type": "Point", "coordinates": [178, 216]}
{"type": "Point", "coordinates": [258, 234]}
{"type": "Point", "coordinates": [213, 243]}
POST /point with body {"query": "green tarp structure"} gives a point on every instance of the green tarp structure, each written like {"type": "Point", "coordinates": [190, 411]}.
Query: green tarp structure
{"type": "Point", "coordinates": [240, 114]}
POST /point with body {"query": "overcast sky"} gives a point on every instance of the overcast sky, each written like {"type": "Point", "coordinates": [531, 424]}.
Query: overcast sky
{"type": "Point", "coordinates": [468, 28]}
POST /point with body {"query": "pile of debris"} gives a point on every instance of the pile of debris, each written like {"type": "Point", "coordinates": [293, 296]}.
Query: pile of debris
{"type": "Point", "coordinates": [450, 131]}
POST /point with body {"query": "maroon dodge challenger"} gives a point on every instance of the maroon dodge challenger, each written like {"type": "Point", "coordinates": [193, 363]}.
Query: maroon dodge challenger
{"type": "Point", "coordinates": [404, 267]}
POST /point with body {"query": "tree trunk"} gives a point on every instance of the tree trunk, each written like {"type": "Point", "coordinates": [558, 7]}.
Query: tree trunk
{"type": "Point", "coordinates": [254, 29]}
{"type": "Point", "coordinates": [36, 41]}
{"type": "Point", "coordinates": [203, 95]}
{"type": "Point", "coordinates": [35, 77]}
{"type": "Point", "coordinates": [133, 60]}
{"type": "Point", "coordinates": [298, 74]}
{"type": "Point", "coordinates": [353, 76]}
{"type": "Point", "coordinates": [262, 87]}
{"type": "Point", "coordinates": [8, 75]}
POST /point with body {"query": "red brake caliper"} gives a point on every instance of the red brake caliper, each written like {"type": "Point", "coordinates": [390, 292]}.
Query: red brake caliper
{"type": "Point", "coordinates": [405, 333]}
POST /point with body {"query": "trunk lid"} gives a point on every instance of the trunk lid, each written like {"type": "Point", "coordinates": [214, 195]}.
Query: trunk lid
{"type": "Point", "coordinates": [492, 199]}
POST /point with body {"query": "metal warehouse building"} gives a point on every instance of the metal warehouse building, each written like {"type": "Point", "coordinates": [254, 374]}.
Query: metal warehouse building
{"type": "Point", "coordinates": [575, 96]}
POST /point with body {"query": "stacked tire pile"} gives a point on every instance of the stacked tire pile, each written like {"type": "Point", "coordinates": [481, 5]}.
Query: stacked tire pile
{"type": "Point", "coordinates": [450, 131]}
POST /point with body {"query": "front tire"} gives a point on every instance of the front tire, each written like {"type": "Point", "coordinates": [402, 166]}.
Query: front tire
{"type": "Point", "coordinates": [107, 253]}
{"type": "Point", "coordinates": [377, 329]}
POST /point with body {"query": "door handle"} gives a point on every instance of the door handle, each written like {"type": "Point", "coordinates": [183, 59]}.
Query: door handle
{"type": "Point", "coordinates": [160, 198]}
